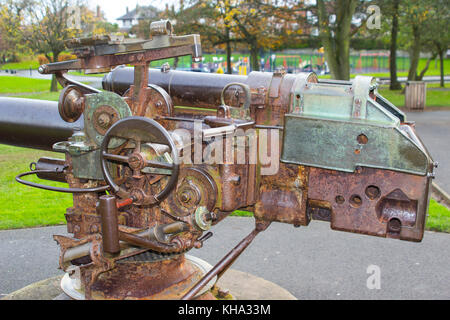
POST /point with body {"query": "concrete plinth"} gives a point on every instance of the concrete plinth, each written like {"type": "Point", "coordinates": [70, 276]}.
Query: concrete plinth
{"type": "Point", "coordinates": [243, 286]}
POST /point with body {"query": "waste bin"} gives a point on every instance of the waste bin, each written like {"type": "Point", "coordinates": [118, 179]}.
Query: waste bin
{"type": "Point", "coordinates": [415, 95]}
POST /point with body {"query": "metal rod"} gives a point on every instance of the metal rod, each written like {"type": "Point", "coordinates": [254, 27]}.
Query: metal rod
{"type": "Point", "coordinates": [83, 250]}
{"type": "Point", "coordinates": [145, 243]}
{"type": "Point", "coordinates": [57, 189]}
{"type": "Point", "coordinates": [110, 225]}
{"type": "Point", "coordinates": [223, 265]}
{"type": "Point", "coordinates": [258, 126]}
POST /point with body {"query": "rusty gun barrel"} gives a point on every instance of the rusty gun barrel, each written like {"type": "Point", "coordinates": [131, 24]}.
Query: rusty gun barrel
{"type": "Point", "coordinates": [191, 89]}
{"type": "Point", "coordinates": [33, 123]}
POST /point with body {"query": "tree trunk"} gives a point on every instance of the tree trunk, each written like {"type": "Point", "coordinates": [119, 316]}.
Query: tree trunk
{"type": "Point", "coordinates": [254, 57]}
{"type": "Point", "coordinates": [422, 73]}
{"type": "Point", "coordinates": [441, 57]}
{"type": "Point", "coordinates": [395, 85]}
{"type": "Point", "coordinates": [414, 55]}
{"type": "Point", "coordinates": [54, 84]}
{"type": "Point", "coordinates": [337, 47]}
{"type": "Point", "coordinates": [229, 68]}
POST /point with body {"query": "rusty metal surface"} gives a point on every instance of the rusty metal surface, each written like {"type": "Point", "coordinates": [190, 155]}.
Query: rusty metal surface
{"type": "Point", "coordinates": [366, 201]}
{"type": "Point", "coordinates": [128, 142]}
{"type": "Point", "coordinates": [283, 198]}
{"type": "Point", "coordinates": [107, 207]}
{"type": "Point", "coordinates": [161, 280]}
{"type": "Point", "coordinates": [195, 188]}
{"type": "Point", "coordinates": [222, 266]}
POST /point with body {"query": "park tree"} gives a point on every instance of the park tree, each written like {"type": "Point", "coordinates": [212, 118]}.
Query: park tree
{"type": "Point", "coordinates": [337, 25]}
{"type": "Point", "coordinates": [392, 7]}
{"type": "Point", "coordinates": [11, 18]}
{"type": "Point", "coordinates": [43, 25]}
{"type": "Point", "coordinates": [389, 34]}
{"type": "Point", "coordinates": [207, 19]}
{"type": "Point", "coordinates": [258, 23]}
{"type": "Point", "coordinates": [94, 23]}
{"type": "Point", "coordinates": [416, 19]}
{"type": "Point", "coordinates": [254, 23]}
{"type": "Point", "coordinates": [438, 33]}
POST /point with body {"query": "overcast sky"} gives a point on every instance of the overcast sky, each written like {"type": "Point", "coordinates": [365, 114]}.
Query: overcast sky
{"type": "Point", "coordinates": [113, 9]}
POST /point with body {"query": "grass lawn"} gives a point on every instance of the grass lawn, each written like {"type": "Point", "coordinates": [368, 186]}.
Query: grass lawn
{"type": "Point", "coordinates": [23, 65]}
{"type": "Point", "coordinates": [24, 206]}
{"type": "Point", "coordinates": [13, 84]}
{"type": "Point", "coordinates": [433, 70]}
{"type": "Point", "coordinates": [78, 73]}
{"type": "Point", "coordinates": [436, 97]}
{"type": "Point", "coordinates": [439, 217]}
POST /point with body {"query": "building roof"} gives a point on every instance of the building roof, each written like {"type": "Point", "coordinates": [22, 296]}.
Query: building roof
{"type": "Point", "coordinates": [140, 12]}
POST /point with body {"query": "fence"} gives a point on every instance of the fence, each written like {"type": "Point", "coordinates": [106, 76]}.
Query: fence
{"type": "Point", "coordinates": [293, 63]}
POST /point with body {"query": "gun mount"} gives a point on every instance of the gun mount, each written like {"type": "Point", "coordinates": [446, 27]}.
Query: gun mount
{"type": "Point", "coordinates": [162, 156]}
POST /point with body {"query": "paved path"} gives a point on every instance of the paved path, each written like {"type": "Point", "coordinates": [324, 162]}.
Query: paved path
{"type": "Point", "coordinates": [433, 127]}
{"type": "Point", "coordinates": [312, 262]}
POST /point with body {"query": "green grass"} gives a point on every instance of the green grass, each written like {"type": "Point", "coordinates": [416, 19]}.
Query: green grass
{"type": "Point", "coordinates": [439, 217]}
{"type": "Point", "coordinates": [240, 213]}
{"type": "Point", "coordinates": [13, 84]}
{"type": "Point", "coordinates": [24, 206]}
{"type": "Point", "coordinates": [436, 97]}
{"type": "Point", "coordinates": [79, 73]}
{"type": "Point", "coordinates": [23, 65]}
{"type": "Point", "coordinates": [433, 70]}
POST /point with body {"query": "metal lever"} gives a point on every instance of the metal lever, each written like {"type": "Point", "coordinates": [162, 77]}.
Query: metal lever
{"type": "Point", "coordinates": [205, 237]}
{"type": "Point", "coordinates": [107, 208]}
{"type": "Point", "coordinates": [223, 265]}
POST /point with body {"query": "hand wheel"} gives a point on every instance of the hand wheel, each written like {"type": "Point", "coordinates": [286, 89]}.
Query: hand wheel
{"type": "Point", "coordinates": [140, 130]}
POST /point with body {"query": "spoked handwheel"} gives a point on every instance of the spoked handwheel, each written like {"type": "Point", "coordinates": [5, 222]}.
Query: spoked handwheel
{"type": "Point", "coordinates": [139, 132]}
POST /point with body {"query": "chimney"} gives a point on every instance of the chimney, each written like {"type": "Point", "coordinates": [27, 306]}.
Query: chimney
{"type": "Point", "coordinates": [127, 9]}
{"type": "Point", "coordinates": [98, 12]}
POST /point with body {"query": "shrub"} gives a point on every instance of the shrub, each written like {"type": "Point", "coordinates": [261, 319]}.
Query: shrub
{"type": "Point", "coordinates": [62, 57]}
{"type": "Point", "coordinates": [42, 59]}
{"type": "Point", "coordinates": [66, 57]}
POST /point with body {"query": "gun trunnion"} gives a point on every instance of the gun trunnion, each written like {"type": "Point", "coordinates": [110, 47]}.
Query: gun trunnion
{"type": "Point", "coordinates": [343, 154]}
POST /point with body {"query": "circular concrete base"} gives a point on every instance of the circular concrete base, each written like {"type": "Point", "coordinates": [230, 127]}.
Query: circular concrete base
{"type": "Point", "coordinates": [243, 286]}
